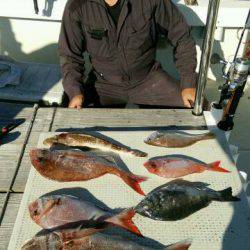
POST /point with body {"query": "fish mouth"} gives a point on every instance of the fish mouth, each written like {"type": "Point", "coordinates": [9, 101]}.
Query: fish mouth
{"type": "Point", "coordinates": [150, 166]}
{"type": "Point", "coordinates": [33, 153]}
{"type": "Point", "coordinates": [147, 165]}
{"type": "Point", "coordinates": [34, 156]}
{"type": "Point", "coordinates": [33, 211]}
{"type": "Point", "coordinates": [151, 137]}
{"type": "Point", "coordinates": [49, 141]}
{"type": "Point", "coordinates": [33, 206]}
{"type": "Point", "coordinates": [38, 157]}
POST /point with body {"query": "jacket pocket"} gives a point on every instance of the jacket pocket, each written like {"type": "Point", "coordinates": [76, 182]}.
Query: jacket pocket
{"type": "Point", "coordinates": [140, 37]}
{"type": "Point", "coordinates": [97, 41]}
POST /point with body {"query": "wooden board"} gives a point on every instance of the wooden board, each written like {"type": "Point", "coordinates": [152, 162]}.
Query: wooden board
{"type": "Point", "coordinates": [66, 118]}
{"type": "Point", "coordinates": [41, 124]}
{"type": "Point", "coordinates": [9, 220]}
{"type": "Point", "coordinates": [72, 119]}
{"type": "Point", "coordinates": [2, 200]}
{"type": "Point", "coordinates": [11, 145]}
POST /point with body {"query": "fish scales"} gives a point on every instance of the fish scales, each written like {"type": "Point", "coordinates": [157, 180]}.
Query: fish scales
{"type": "Point", "coordinates": [85, 140]}
{"type": "Point", "coordinates": [94, 242]}
{"type": "Point", "coordinates": [59, 210]}
{"type": "Point", "coordinates": [172, 166]}
{"type": "Point", "coordinates": [65, 166]}
{"type": "Point", "coordinates": [176, 139]}
{"type": "Point", "coordinates": [179, 199]}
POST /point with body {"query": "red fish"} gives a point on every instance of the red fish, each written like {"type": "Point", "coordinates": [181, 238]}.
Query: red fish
{"type": "Point", "coordinates": [63, 166]}
{"type": "Point", "coordinates": [55, 211]}
{"type": "Point", "coordinates": [173, 167]}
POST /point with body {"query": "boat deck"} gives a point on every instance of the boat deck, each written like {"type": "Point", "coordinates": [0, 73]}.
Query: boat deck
{"type": "Point", "coordinates": [14, 161]}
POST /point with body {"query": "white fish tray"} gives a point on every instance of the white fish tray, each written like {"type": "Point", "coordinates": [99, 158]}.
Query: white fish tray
{"type": "Point", "coordinates": [218, 226]}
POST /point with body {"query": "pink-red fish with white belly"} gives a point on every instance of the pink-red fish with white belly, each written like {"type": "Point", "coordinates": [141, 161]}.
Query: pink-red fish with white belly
{"type": "Point", "coordinates": [55, 211]}
{"type": "Point", "coordinates": [173, 167]}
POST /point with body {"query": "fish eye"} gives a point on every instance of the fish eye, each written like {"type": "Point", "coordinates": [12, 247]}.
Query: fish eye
{"type": "Point", "coordinates": [153, 164]}
{"type": "Point", "coordinates": [59, 201]}
{"type": "Point", "coordinates": [35, 212]}
{"type": "Point", "coordinates": [40, 159]}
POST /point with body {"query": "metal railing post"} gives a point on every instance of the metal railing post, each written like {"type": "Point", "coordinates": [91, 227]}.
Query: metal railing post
{"type": "Point", "coordinates": [212, 14]}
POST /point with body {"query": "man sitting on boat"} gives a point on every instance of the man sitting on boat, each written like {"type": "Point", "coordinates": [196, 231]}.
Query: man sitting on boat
{"type": "Point", "coordinates": [121, 37]}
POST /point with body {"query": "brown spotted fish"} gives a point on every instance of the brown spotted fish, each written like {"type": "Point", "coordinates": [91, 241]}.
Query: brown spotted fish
{"type": "Point", "coordinates": [172, 167]}
{"type": "Point", "coordinates": [65, 166]}
{"type": "Point", "coordinates": [176, 139]}
{"type": "Point", "coordinates": [85, 140]}
{"type": "Point", "coordinates": [96, 241]}
{"type": "Point", "coordinates": [179, 198]}
{"type": "Point", "coordinates": [55, 211]}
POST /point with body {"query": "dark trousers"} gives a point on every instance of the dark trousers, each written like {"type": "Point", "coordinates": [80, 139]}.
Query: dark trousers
{"type": "Point", "coordinates": [157, 89]}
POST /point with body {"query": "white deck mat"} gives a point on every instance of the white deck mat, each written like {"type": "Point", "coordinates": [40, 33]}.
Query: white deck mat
{"type": "Point", "coordinates": [218, 226]}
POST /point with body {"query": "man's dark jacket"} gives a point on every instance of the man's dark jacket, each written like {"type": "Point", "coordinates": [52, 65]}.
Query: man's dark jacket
{"type": "Point", "coordinates": [125, 53]}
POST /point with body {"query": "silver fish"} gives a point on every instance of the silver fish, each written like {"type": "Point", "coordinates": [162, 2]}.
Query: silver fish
{"type": "Point", "coordinates": [176, 139]}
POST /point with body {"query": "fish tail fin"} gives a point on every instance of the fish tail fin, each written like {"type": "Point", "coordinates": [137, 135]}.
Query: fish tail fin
{"type": "Point", "coordinates": [181, 245]}
{"type": "Point", "coordinates": [226, 195]}
{"type": "Point", "coordinates": [134, 181]}
{"type": "Point", "coordinates": [124, 220]}
{"type": "Point", "coordinates": [209, 135]}
{"type": "Point", "coordinates": [215, 166]}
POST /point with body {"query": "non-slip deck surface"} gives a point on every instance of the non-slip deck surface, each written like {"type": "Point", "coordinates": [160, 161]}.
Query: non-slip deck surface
{"type": "Point", "coordinates": [219, 226]}
{"type": "Point", "coordinates": [57, 119]}
{"type": "Point", "coordinates": [61, 119]}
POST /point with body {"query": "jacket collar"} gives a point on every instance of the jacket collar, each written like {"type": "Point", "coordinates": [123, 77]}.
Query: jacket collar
{"type": "Point", "coordinates": [102, 2]}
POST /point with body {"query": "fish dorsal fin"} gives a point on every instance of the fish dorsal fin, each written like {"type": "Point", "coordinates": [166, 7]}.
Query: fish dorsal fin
{"type": "Point", "coordinates": [194, 184]}
{"type": "Point", "coordinates": [198, 185]}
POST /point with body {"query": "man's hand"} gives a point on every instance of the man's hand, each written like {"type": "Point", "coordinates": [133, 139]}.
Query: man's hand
{"type": "Point", "coordinates": [188, 96]}
{"type": "Point", "coordinates": [76, 102]}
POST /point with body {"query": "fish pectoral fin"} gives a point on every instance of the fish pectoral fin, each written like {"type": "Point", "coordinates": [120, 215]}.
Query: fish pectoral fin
{"type": "Point", "coordinates": [69, 243]}
{"type": "Point", "coordinates": [184, 245]}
